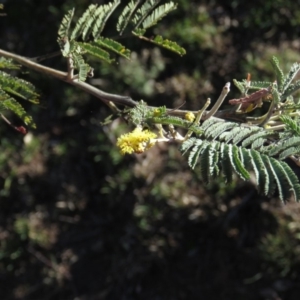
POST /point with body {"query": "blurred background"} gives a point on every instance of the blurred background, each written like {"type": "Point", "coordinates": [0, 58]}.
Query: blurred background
{"type": "Point", "coordinates": [80, 221]}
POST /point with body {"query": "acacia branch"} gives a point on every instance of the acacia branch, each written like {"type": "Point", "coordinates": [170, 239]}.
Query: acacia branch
{"type": "Point", "coordinates": [107, 98]}
{"type": "Point", "coordinates": [122, 100]}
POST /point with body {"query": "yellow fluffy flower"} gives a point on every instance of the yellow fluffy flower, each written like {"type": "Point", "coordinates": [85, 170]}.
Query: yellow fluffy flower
{"type": "Point", "coordinates": [136, 141]}
{"type": "Point", "coordinates": [189, 116]}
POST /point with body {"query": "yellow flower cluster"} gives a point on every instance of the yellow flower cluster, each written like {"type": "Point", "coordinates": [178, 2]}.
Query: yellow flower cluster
{"type": "Point", "coordinates": [189, 116]}
{"type": "Point", "coordinates": [136, 141]}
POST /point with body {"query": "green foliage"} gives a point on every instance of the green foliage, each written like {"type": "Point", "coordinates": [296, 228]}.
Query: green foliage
{"type": "Point", "coordinates": [18, 87]}
{"type": "Point", "coordinates": [113, 46]}
{"type": "Point", "coordinates": [278, 72]}
{"type": "Point", "coordinates": [292, 127]}
{"type": "Point", "coordinates": [12, 88]}
{"type": "Point", "coordinates": [257, 85]}
{"type": "Point", "coordinates": [284, 145]}
{"type": "Point", "coordinates": [90, 25]}
{"type": "Point", "coordinates": [63, 31]}
{"type": "Point", "coordinates": [8, 64]}
{"type": "Point", "coordinates": [158, 40]}
{"type": "Point", "coordinates": [155, 16]}
{"type": "Point", "coordinates": [289, 77]}
{"type": "Point", "coordinates": [96, 51]}
{"type": "Point", "coordinates": [83, 68]}
{"type": "Point", "coordinates": [9, 103]}
{"type": "Point", "coordinates": [176, 121]}
{"type": "Point", "coordinates": [126, 15]}
{"type": "Point", "coordinates": [144, 17]}
{"type": "Point", "coordinates": [234, 148]}
{"type": "Point", "coordinates": [143, 115]}
{"type": "Point", "coordinates": [139, 114]}
{"type": "Point", "coordinates": [214, 157]}
{"type": "Point", "coordinates": [229, 148]}
{"type": "Point", "coordinates": [282, 88]}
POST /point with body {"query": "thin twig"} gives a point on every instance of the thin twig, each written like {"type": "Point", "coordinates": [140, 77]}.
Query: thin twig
{"type": "Point", "coordinates": [225, 91]}
{"type": "Point", "coordinates": [198, 118]}
{"type": "Point", "coordinates": [45, 56]}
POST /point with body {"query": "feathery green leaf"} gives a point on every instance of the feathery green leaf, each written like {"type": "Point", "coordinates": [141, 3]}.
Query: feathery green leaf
{"type": "Point", "coordinates": [290, 76]}
{"type": "Point", "coordinates": [9, 103]}
{"type": "Point", "coordinates": [195, 152]}
{"type": "Point", "coordinates": [292, 88]}
{"type": "Point", "coordinates": [170, 45]}
{"type": "Point", "coordinates": [81, 23]}
{"type": "Point", "coordinates": [96, 51]}
{"type": "Point", "coordinates": [63, 31]}
{"type": "Point", "coordinates": [160, 12]}
{"type": "Point", "coordinates": [126, 15]}
{"type": "Point", "coordinates": [113, 46]}
{"type": "Point", "coordinates": [278, 72]}
{"type": "Point", "coordinates": [186, 145]}
{"type": "Point", "coordinates": [83, 68]}
{"type": "Point", "coordinates": [18, 87]}
{"type": "Point", "coordinates": [105, 12]}
{"type": "Point", "coordinates": [8, 64]}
